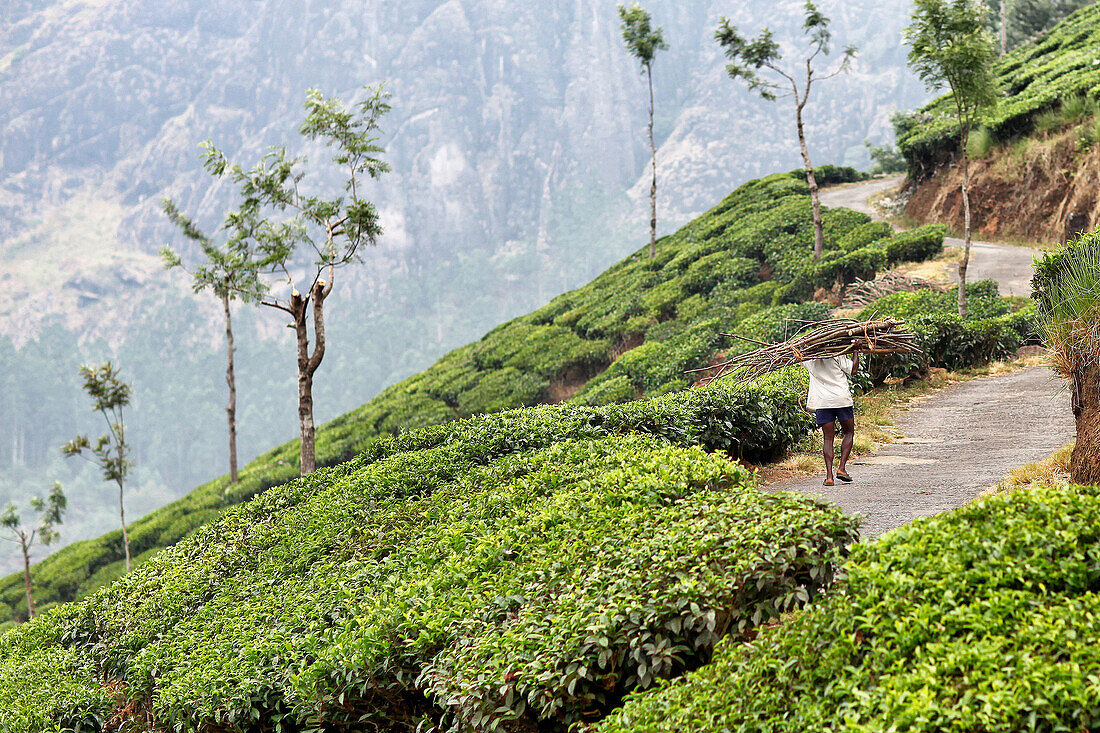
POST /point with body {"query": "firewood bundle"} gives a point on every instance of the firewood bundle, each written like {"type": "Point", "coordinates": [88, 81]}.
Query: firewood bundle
{"type": "Point", "coordinates": [865, 292]}
{"type": "Point", "coordinates": [831, 338]}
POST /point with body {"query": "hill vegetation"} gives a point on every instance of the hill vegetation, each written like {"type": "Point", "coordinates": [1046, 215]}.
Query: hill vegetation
{"type": "Point", "coordinates": [1035, 159]}
{"type": "Point", "coordinates": [631, 332]}
{"type": "Point", "coordinates": [453, 563]}
{"type": "Point", "coordinates": [1034, 79]}
{"type": "Point", "coordinates": [984, 618]}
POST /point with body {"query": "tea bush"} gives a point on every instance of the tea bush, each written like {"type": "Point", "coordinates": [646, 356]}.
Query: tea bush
{"type": "Point", "coordinates": [1035, 78]}
{"type": "Point", "coordinates": [984, 618]}
{"type": "Point", "coordinates": [485, 583]}
{"type": "Point", "coordinates": [991, 331]}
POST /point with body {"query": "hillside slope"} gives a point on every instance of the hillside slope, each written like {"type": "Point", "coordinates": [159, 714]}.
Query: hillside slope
{"type": "Point", "coordinates": [1036, 160]}
{"type": "Point", "coordinates": [513, 571]}
{"type": "Point", "coordinates": [631, 332]}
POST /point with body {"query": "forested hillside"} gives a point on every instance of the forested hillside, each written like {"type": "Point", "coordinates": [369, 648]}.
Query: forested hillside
{"type": "Point", "coordinates": [517, 142]}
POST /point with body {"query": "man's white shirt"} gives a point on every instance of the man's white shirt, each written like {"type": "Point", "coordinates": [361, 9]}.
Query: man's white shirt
{"type": "Point", "coordinates": [829, 382]}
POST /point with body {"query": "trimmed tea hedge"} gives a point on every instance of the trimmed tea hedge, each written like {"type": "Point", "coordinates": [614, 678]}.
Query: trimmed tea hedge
{"type": "Point", "coordinates": [985, 618]}
{"type": "Point", "coordinates": [479, 583]}
{"type": "Point", "coordinates": [991, 331]}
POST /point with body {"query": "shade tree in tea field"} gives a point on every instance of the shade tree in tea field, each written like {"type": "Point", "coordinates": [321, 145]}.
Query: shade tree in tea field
{"type": "Point", "coordinates": [50, 511]}
{"type": "Point", "coordinates": [230, 276]}
{"type": "Point", "coordinates": [279, 231]}
{"type": "Point", "coordinates": [757, 63]}
{"type": "Point", "coordinates": [950, 46]}
{"type": "Point", "coordinates": [643, 41]}
{"type": "Point", "coordinates": [110, 451]}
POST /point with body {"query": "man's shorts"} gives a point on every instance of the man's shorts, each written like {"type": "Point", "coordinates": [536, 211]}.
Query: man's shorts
{"type": "Point", "coordinates": [830, 414]}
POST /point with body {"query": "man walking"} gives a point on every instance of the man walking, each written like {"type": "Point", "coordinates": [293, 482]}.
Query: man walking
{"type": "Point", "coordinates": [831, 400]}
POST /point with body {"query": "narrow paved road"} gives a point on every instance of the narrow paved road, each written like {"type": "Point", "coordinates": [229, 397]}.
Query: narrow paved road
{"type": "Point", "coordinates": [957, 442]}
{"type": "Point", "coordinates": [1010, 266]}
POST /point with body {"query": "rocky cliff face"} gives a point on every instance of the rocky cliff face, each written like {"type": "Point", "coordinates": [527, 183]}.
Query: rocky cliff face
{"type": "Point", "coordinates": [514, 124]}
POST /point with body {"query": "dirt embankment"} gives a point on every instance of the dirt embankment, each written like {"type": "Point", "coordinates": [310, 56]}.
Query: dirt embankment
{"type": "Point", "coordinates": [1022, 191]}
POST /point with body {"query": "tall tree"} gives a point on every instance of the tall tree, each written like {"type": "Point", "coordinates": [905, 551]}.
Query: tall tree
{"type": "Point", "coordinates": [229, 275]}
{"type": "Point", "coordinates": [643, 41]}
{"type": "Point", "coordinates": [950, 46]}
{"type": "Point", "coordinates": [277, 221]}
{"type": "Point", "coordinates": [49, 513]}
{"type": "Point", "coordinates": [110, 451]}
{"type": "Point", "coordinates": [748, 58]}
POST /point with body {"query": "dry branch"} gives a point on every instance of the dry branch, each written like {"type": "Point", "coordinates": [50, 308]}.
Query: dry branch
{"type": "Point", "coordinates": [865, 292]}
{"type": "Point", "coordinates": [831, 338]}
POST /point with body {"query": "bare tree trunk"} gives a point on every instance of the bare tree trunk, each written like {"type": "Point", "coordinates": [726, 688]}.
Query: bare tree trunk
{"type": "Point", "coordinates": [964, 133]}
{"type": "Point", "coordinates": [1084, 464]}
{"type": "Point", "coordinates": [27, 576]}
{"type": "Point", "coordinates": [307, 366]}
{"type": "Point", "coordinates": [231, 380]}
{"type": "Point", "coordinates": [1004, 27]}
{"type": "Point", "coordinates": [125, 532]}
{"type": "Point", "coordinates": [653, 187]}
{"type": "Point", "coordinates": [815, 198]}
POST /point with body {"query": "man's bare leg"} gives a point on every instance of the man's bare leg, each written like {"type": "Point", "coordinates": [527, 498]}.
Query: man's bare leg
{"type": "Point", "coordinates": [848, 437]}
{"type": "Point", "coordinates": [828, 431]}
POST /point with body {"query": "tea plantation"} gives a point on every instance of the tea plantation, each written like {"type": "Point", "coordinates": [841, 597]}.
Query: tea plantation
{"type": "Point", "coordinates": [532, 566]}
{"type": "Point", "coordinates": [630, 333]}
{"type": "Point", "coordinates": [470, 559]}
{"type": "Point", "coordinates": [982, 619]}
{"type": "Point", "coordinates": [1034, 78]}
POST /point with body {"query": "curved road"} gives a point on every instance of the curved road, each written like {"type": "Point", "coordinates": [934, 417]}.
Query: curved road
{"type": "Point", "coordinates": [1010, 266]}
{"type": "Point", "coordinates": [959, 441]}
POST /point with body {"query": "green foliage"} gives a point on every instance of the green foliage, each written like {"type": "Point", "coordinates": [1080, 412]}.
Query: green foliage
{"type": "Point", "coordinates": [1067, 295]}
{"type": "Point", "coordinates": [991, 331]}
{"type": "Point", "coordinates": [705, 279]}
{"type": "Point", "coordinates": [602, 564]}
{"type": "Point", "coordinates": [886, 159]}
{"type": "Point", "coordinates": [984, 618]}
{"type": "Point", "coordinates": [1029, 19]}
{"type": "Point", "coordinates": [1035, 78]}
{"type": "Point", "coordinates": [748, 57]}
{"type": "Point", "coordinates": [979, 143]}
{"type": "Point", "coordinates": [949, 46]}
{"type": "Point", "coordinates": [915, 245]}
{"type": "Point", "coordinates": [641, 39]}
{"type": "Point", "coordinates": [831, 175]}
{"type": "Point", "coordinates": [109, 396]}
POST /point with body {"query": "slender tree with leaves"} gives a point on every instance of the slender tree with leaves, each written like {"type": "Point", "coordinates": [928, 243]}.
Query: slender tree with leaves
{"type": "Point", "coordinates": [644, 41]}
{"type": "Point", "coordinates": [50, 511]}
{"type": "Point", "coordinates": [230, 276]}
{"type": "Point", "coordinates": [758, 62]}
{"type": "Point", "coordinates": [280, 232]}
{"type": "Point", "coordinates": [110, 451]}
{"type": "Point", "coordinates": [950, 46]}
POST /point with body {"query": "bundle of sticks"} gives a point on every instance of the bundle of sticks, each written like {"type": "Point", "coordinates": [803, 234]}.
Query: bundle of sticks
{"type": "Point", "coordinates": [831, 338]}
{"type": "Point", "coordinates": [864, 292]}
